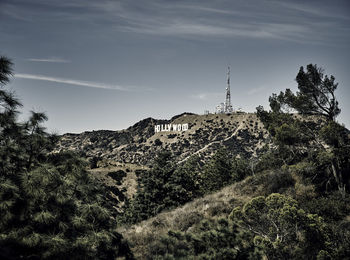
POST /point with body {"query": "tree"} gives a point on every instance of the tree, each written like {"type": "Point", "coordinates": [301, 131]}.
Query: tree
{"type": "Point", "coordinates": [211, 239]}
{"type": "Point", "coordinates": [150, 198]}
{"type": "Point", "coordinates": [50, 207]}
{"type": "Point", "coordinates": [163, 187]}
{"type": "Point", "coordinates": [281, 229]}
{"type": "Point", "coordinates": [5, 70]}
{"type": "Point", "coordinates": [241, 166]}
{"type": "Point", "coordinates": [318, 140]}
{"type": "Point", "coordinates": [336, 159]}
{"type": "Point", "coordinates": [217, 172]}
{"type": "Point", "coordinates": [57, 211]}
{"type": "Point", "coordinates": [316, 94]}
{"type": "Point", "coordinates": [184, 183]}
{"type": "Point", "coordinates": [288, 134]}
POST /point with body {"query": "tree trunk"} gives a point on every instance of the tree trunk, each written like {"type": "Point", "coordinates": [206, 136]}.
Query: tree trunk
{"type": "Point", "coordinates": [339, 180]}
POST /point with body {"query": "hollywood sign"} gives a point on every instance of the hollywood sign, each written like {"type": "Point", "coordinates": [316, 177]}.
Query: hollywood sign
{"type": "Point", "coordinates": [170, 127]}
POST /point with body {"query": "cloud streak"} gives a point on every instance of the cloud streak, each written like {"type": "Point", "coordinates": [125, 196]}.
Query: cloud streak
{"type": "Point", "coordinates": [256, 90]}
{"type": "Point", "coordinates": [73, 82]}
{"type": "Point", "coordinates": [287, 32]}
{"type": "Point", "coordinates": [53, 60]}
{"type": "Point", "coordinates": [267, 20]}
{"type": "Point", "coordinates": [207, 95]}
{"type": "Point", "coordinates": [259, 19]}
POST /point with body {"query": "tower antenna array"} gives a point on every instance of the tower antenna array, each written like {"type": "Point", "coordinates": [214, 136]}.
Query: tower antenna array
{"type": "Point", "coordinates": [228, 106]}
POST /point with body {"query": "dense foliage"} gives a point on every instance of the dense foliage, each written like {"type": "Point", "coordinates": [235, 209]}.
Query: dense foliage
{"type": "Point", "coordinates": [168, 185]}
{"type": "Point", "coordinates": [274, 227]}
{"type": "Point", "coordinates": [281, 229]}
{"type": "Point", "coordinates": [50, 207]}
{"type": "Point", "coordinates": [318, 141]}
{"type": "Point", "coordinates": [162, 187]}
{"type": "Point", "coordinates": [214, 239]}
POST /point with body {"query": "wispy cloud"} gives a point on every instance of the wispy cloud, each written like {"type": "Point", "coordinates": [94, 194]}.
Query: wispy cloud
{"type": "Point", "coordinates": [207, 95]}
{"type": "Point", "coordinates": [257, 90]}
{"type": "Point", "coordinates": [192, 29]}
{"type": "Point", "coordinates": [73, 82]}
{"type": "Point", "coordinates": [53, 60]}
{"type": "Point", "coordinates": [201, 19]}
{"type": "Point", "coordinates": [306, 8]}
{"type": "Point", "coordinates": [270, 21]}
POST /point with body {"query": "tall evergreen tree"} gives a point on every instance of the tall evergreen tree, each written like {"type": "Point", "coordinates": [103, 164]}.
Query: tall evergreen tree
{"type": "Point", "coordinates": [50, 207]}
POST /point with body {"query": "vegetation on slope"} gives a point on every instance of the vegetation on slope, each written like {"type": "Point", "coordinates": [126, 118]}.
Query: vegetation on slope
{"type": "Point", "coordinates": [168, 185]}
{"type": "Point", "coordinates": [290, 202]}
{"type": "Point", "coordinates": [297, 201]}
{"type": "Point", "coordinates": [240, 133]}
{"type": "Point", "coordinates": [50, 207]}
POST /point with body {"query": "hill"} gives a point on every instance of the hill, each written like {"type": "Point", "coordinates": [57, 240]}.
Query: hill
{"type": "Point", "coordinates": [145, 234]}
{"type": "Point", "coordinates": [241, 133]}
{"type": "Point", "coordinates": [169, 233]}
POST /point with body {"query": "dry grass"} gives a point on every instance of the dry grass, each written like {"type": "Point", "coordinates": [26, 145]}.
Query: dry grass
{"type": "Point", "coordinates": [129, 182]}
{"type": "Point", "coordinates": [183, 218]}
{"type": "Point", "coordinates": [219, 204]}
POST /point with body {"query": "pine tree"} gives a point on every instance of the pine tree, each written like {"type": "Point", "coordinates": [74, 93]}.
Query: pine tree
{"type": "Point", "coordinates": [316, 94]}
{"type": "Point", "coordinates": [165, 186]}
{"type": "Point", "coordinates": [317, 139]}
{"type": "Point", "coordinates": [50, 207]}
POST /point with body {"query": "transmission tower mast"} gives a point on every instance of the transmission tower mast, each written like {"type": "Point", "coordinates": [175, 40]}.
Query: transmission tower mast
{"type": "Point", "coordinates": [228, 106]}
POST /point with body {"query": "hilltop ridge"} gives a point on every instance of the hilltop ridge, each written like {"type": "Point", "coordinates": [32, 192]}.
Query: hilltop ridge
{"type": "Point", "coordinates": [241, 133]}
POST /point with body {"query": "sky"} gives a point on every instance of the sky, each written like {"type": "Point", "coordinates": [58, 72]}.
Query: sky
{"type": "Point", "coordinates": [106, 64]}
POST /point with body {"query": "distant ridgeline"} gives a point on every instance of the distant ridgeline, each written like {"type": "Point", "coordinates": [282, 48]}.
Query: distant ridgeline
{"type": "Point", "coordinates": [183, 135]}
{"type": "Point", "coordinates": [170, 127]}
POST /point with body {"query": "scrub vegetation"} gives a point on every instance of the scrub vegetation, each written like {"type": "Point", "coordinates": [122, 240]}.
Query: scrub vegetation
{"type": "Point", "coordinates": [290, 202]}
{"type": "Point", "coordinates": [285, 198]}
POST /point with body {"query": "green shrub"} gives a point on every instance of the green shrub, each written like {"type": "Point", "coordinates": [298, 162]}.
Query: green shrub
{"type": "Point", "coordinates": [278, 181]}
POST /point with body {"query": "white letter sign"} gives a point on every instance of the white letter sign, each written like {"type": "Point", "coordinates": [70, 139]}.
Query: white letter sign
{"type": "Point", "coordinates": [170, 127]}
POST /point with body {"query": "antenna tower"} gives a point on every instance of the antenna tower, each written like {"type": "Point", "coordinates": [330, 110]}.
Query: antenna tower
{"type": "Point", "coordinates": [228, 106]}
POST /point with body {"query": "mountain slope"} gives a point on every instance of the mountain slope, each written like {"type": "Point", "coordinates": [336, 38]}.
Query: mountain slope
{"type": "Point", "coordinates": [186, 218]}
{"type": "Point", "coordinates": [240, 133]}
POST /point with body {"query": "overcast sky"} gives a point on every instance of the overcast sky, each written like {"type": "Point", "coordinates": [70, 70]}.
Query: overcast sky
{"type": "Point", "coordinates": [108, 64]}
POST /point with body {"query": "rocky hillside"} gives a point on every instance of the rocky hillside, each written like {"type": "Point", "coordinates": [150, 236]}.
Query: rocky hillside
{"type": "Point", "coordinates": [240, 133]}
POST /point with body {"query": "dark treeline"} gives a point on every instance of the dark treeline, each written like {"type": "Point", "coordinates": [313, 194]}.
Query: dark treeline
{"type": "Point", "coordinates": [50, 207]}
